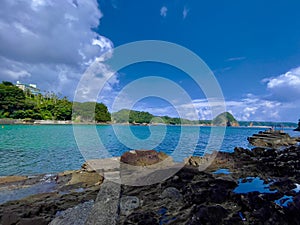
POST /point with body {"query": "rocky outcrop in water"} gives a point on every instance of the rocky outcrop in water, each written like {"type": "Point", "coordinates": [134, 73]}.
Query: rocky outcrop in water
{"type": "Point", "coordinates": [298, 128]}
{"type": "Point", "coordinates": [272, 139]}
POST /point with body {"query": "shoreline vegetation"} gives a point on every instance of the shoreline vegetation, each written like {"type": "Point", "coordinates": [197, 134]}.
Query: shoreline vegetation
{"type": "Point", "coordinates": [23, 107]}
{"type": "Point", "coordinates": [9, 121]}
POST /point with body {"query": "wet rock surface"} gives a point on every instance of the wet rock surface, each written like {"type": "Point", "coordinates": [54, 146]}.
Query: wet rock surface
{"type": "Point", "coordinates": [202, 197]}
{"type": "Point", "coordinates": [189, 196]}
{"type": "Point", "coordinates": [40, 205]}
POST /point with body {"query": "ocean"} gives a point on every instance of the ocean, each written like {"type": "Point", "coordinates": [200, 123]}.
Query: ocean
{"type": "Point", "coordinates": [36, 149]}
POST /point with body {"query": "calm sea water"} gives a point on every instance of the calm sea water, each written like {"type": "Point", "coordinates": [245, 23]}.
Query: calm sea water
{"type": "Point", "coordinates": [33, 149]}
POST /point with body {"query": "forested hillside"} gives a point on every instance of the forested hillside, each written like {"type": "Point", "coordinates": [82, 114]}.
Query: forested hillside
{"type": "Point", "coordinates": [17, 104]}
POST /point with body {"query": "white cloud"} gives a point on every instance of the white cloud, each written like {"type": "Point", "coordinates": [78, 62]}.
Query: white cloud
{"type": "Point", "coordinates": [268, 107]}
{"type": "Point", "coordinates": [246, 109]}
{"type": "Point", "coordinates": [285, 87]}
{"type": "Point", "coordinates": [49, 42]}
{"type": "Point", "coordinates": [163, 11]}
{"type": "Point", "coordinates": [252, 108]}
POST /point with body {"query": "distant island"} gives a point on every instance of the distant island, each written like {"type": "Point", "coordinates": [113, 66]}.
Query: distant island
{"type": "Point", "coordinates": [26, 103]}
{"type": "Point", "coordinates": [225, 119]}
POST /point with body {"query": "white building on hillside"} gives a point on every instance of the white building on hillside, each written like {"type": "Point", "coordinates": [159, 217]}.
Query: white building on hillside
{"type": "Point", "coordinates": [28, 87]}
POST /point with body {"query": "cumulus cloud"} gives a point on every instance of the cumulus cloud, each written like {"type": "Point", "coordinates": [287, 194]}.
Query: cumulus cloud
{"type": "Point", "coordinates": [163, 11]}
{"type": "Point", "coordinates": [285, 87]}
{"type": "Point", "coordinates": [49, 42]}
{"type": "Point", "coordinates": [280, 103]}
{"type": "Point", "coordinates": [249, 108]}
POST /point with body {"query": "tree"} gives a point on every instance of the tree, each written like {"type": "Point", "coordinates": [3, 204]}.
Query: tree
{"type": "Point", "coordinates": [101, 113]}
{"type": "Point", "coordinates": [16, 103]}
{"type": "Point", "coordinates": [62, 109]}
{"type": "Point", "coordinates": [11, 98]}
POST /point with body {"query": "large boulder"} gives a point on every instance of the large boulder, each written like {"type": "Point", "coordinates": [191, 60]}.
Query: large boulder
{"type": "Point", "coordinates": [143, 157]}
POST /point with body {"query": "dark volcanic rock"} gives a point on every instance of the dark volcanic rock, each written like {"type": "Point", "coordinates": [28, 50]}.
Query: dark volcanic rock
{"type": "Point", "coordinates": [203, 214]}
{"type": "Point", "coordinates": [172, 193]}
{"type": "Point", "coordinates": [129, 203]}
{"type": "Point", "coordinates": [143, 218]}
{"type": "Point", "coordinates": [210, 198]}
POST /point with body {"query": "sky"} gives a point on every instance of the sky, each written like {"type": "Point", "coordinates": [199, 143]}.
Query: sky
{"type": "Point", "coordinates": [252, 48]}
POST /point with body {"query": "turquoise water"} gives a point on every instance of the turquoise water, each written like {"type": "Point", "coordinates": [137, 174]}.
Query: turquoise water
{"type": "Point", "coordinates": [33, 149]}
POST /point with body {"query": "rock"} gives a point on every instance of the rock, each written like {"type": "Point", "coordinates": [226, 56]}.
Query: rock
{"type": "Point", "coordinates": [142, 218]}
{"type": "Point", "coordinates": [39, 197]}
{"type": "Point", "coordinates": [10, 218]}
{"type": "Point", "coordinates": [298, 128]}
{"type": "Point", "coordinates": [76, 215]}
{"type": "Point", "coordinates": [187, 196]}
{"type": "Point", "coordinates": [102, 165]}
{"type": "Point", "coordinates": [10, 179]}
{"type": "Point", "coordinates": [34, 221]}
{"type": "Point", "coordinates": [171, 193]}
{"type": "Point", "coordinates": [194, 161]}
{"type": "Point", "coordinates": [202, 162]}
{"type": "Point", "coordinates": [208, 215]}
{"type": "Point", "coordinates": [143, 157]}
{"type": "Point", "coordinates": [89, 178]}
{"type": "Point", "coordinates": [129, 203]}
{"type": "Point", "coordinates": [271, 138]}
{"type": "Point", "coordinates": [105, 210]}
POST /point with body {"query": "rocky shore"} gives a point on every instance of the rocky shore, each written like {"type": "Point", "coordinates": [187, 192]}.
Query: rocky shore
{"type": "Point", "coordinates": [273, 139]}
{"type": "Point", "coordinates": [258, 186]}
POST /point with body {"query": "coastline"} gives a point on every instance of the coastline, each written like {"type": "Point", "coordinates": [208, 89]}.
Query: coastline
{"type": "Point", "coordinates": [69, 122]}
{"type": "Point", "coordinates": [236, 186]}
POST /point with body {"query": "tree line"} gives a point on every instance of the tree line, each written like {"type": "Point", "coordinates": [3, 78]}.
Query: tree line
{"type": "Point", "coordinates": [17, 104]}
{"type": "Point", "coordinates": [139, 117]}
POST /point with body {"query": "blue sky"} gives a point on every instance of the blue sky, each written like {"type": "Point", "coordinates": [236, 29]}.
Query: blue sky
{"type": "Point", "coordinates": [252, 47]}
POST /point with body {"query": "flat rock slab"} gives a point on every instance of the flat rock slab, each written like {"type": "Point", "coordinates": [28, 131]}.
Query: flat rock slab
{"type": "Point", "coordinates": [102, 165]}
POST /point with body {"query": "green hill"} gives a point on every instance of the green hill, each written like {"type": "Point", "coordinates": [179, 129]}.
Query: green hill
{"type": "Point", "coordinates": [225, 119]}
{"type": "Point", "coordinates": [131, 116]}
